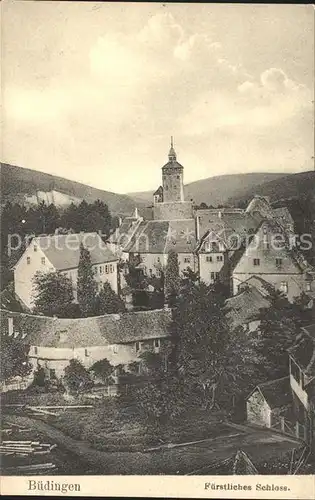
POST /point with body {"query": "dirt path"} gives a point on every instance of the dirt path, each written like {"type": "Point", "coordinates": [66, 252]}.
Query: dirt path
{"type": "Point", "coordinates": [169, 461]}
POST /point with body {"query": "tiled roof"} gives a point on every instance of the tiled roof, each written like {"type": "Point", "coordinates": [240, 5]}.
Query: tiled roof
{"type": "Point", "coordinates": [260, 204]}
{"type": "Point", "coordinates": [303, 350]}
{"type": "Point", "coordinates": [225, 223]}
{"type": "Point", "coordinates": [283, 214]}
{"type": "Point", "coordinates": [277, 392]}
{"type": "Point", "coordinates": [124, 232]}
{"type": "Point", "coordinates": [172, 164]}
{"type": "Point", "coordinates": [260, 284]}
{"type": "Point", "coordinates": [63, 250]}
{"type": "Point", "coordinates": [158, 191]}
{"type": "Point", "coordinates": [159, 236]}
{"type": "Point", "coordinates": [86, 332]}
{"type": "Point", "coordinates": [245, 306]}
{"type": "Point", "coordinates": [272, 226]}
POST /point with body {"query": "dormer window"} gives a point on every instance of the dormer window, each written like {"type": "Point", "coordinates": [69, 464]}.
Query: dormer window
{"type": "Point", "coordinates": [209, 258]}
{"type": "Point", "coordinates": [219, 258]}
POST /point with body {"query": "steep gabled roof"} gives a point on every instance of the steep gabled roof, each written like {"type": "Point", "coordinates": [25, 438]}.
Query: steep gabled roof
{"type": "Point", "coordinates": [245, 306]}
{"type": "Point", "coordinates": [303, 350]}
{"type": "Point", "coordinates": [160, 236]}
{"type": "Point", "coordinates": [158, 191]}
{"type": "Point", "coordinates": [272, 226]}
{"type": "Point", "coordinates": [283, 215]}
{"type": "Point", "coordinates": [277, 393]}
{"type": "Point", "coordinates": [63, 250]}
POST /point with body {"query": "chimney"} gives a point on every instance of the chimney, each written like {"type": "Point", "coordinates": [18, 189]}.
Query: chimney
{"type": "Point", "coordinates": [136, 215]}
{"type": "Point", "coordinates": [119, 221]}
{"type": "Point", "coordinates": [220, 214]}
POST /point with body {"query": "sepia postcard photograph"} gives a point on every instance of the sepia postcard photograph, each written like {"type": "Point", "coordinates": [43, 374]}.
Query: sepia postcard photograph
{"type": "Point", "coordinates": [157, 249]}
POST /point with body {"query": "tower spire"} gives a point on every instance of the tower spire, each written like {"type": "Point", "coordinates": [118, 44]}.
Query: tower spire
{"type": "Point", "coordinates": [172, 153]}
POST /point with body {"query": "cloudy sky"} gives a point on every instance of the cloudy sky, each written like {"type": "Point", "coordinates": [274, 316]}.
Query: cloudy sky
{"type": "Point", "coordinates": [93, 91]}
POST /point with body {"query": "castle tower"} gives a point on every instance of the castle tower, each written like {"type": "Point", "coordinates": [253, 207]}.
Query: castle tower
{"type": "Point", "coordinates": [173, 178]}
{"type": "Point", "coordinates": [168, 200]}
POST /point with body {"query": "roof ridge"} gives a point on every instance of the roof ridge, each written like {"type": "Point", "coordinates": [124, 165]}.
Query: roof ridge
{"type": "Point", "coordinates": [270, 382]}
{"type": "Point", "coordinates": [89, 317]}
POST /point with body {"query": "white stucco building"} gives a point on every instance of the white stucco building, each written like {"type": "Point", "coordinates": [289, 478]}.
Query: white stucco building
{"type": "Point", "coordinates": [61, 253]}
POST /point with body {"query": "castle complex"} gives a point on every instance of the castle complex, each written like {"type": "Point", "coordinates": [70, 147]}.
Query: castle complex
{"type": "Point", "coordinates": [230, 245]}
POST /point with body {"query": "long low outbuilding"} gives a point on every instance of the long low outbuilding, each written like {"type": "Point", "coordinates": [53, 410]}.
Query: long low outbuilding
{"type": "Point", "coordinates": [119, 338]}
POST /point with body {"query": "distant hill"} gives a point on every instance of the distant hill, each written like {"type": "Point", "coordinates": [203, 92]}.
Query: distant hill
{"type": "Point", "coordinates": [290, 186]}
{"type": "Point", "coordinates": [217, 190]}
{"type": "Point", "coordinates": [23, 185]}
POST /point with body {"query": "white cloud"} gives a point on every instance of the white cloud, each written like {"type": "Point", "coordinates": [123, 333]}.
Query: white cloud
{"type": "Point", "coordinates": [263, 105]}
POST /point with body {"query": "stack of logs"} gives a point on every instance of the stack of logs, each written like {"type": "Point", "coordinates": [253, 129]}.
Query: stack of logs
{"type": "Point", "coordinates": [15, 452]}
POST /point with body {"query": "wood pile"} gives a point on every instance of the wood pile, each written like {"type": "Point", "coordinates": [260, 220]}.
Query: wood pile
{"type": "Point", "coordinates": [32, 469]}
{"type": "Point", "coordinates": [24, 448]}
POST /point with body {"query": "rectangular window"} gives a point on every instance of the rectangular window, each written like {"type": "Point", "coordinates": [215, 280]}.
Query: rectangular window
{"type": "Point", "coordinates": [111, 268]}
{"type": "Point", "coordinates": [86, 353]}
{"type": "Point", "coordinates": [213, 276]}
{"type": "Point", "coordinates": [156, 343]}
{"type": "Point", "coordinates": [115, 349]}
{"type": "Point", "coordinates": [35, 350]}
{"type": "Point", "coordinates": [10, 326]}
{"type": "Point", "coordinates": [186, 260]}
{"type": "Point", "coordinates": [256, 262]}
{"type": "Point", "coordinates": [137, 346]}
{"type": "Point", "coordinates": [35, 248]}
{"type": "Point", "coordinates": [106, 269]}
{"type": "Point", "coordinates": [43, 260]}
{"type": "Point", "coordinates": [308, 287]}
{"type": "Point", "coordinates": [284, 287]}
{"type": "Point", "coordinates": [219, 258]}
{"type": "Point", "coordinates": [209, 258]}
{"type": "Point", "coordinates": [52, 373]}
{"type": "Point", "coordinates": [28, 260]}
{"type": "Point", "coordinates": [279, 262]}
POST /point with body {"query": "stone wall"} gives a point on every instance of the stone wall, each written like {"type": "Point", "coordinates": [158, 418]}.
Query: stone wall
{"type": "Point", "coordinates": [173, 210]}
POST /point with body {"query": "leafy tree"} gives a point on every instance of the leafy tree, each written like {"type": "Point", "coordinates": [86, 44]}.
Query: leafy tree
{"type": "Point", "coordinates": [214, 362]}
{"type": "Point", "coordinates": [103, 370]}
{"type": "Point", "coordinates": [40, 379]}
{"type": "Point", "coordinates": [77, 378]}
{"type": "Point", "coordinates": [54, 295]}
{"type": "Point", "coordinates": [279, 326]}
{"type": "Point", "coordinates": [14, 358]}
{"type": "Point", "coordinates": [172, 280]}
{"type": "Point", "coordinates": [86, 290]}
{"type": "Point", "coordinates": [108, 302]}
{"type": "Point", "coordinates": [157, 394]}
